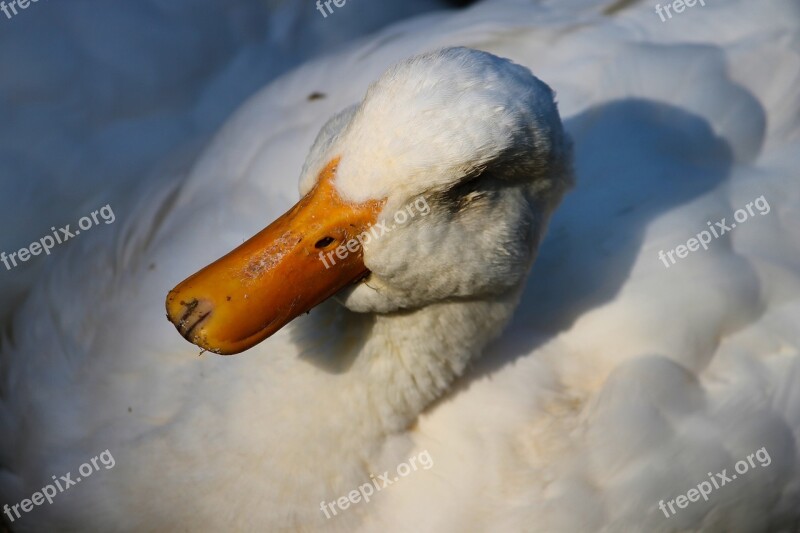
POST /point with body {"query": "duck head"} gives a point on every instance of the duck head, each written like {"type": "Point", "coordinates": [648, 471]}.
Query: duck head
{"type": "Point", "coordinates": [437, 186]}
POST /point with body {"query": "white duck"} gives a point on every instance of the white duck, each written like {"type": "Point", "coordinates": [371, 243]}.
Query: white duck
{"type": "Point", "coordinates": [618, 383]}
{"type": "Point", "coordinates": [486, 154]}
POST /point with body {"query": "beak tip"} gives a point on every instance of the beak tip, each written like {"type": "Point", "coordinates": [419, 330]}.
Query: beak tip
{"type": "Point", "coordinates": [188, 315]}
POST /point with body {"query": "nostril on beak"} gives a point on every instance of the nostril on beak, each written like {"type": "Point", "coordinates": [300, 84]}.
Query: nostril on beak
{"type": "Point", "coordinates": [195, 312]}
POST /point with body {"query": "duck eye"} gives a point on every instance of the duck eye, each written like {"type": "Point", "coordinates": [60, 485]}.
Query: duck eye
{"type": "Point", "coordinates": [323, 242]}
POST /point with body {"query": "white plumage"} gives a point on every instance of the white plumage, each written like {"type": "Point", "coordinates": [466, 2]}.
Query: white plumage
{"type": "Point", "coordinates": [618, 382]}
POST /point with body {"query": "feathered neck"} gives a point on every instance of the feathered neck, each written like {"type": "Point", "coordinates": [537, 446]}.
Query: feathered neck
{"type": "Point", "coordinates": [388, 367]}
{"type": "Point", "coordinates": [359, 380]}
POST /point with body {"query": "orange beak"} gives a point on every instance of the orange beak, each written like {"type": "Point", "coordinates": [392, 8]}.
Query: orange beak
{"type": "Point", "coordinates": [303, 258]}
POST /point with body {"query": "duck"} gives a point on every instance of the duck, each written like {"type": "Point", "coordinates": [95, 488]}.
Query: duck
{"type": "Point", "coordinates": [577, 397]}
{"type": "Point", "coordinates": [491, 168]}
